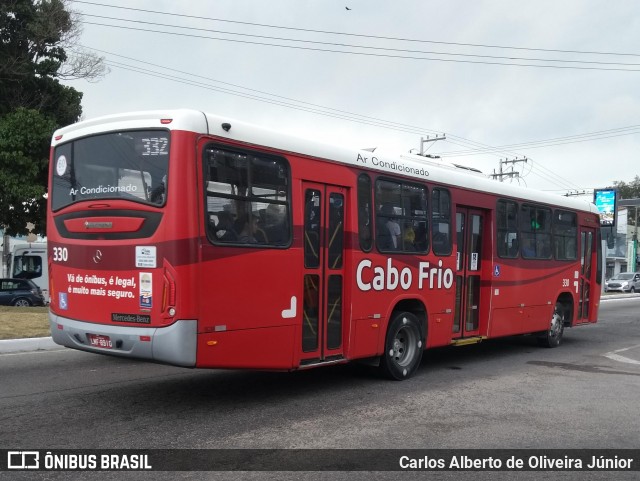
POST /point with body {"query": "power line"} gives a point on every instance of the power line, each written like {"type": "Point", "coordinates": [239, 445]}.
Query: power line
{"type": "Point", "coordinates": [573, 139]}
{"type": "Point", "coordinates": [377, 37]}
{"type": "Point", "coordinates": [292, 103]}
{"type": "Point", "coordinates": [281, 103]}
{"type": "Point", "coordinates": [370, 120]}
{"type": "Point", "coordinates": [345, 45]}
{"type": "Point", "coordinates": [316, 108]}
{"type": "Point", "coordinates": [278, 99]}
{"type": "Point", "coordinates": [367, 54]}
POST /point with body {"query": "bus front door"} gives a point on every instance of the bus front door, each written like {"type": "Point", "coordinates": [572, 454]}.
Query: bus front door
{"type": "Point", "coordinates": [323, 278]}
{"type": "Point", "coordinates": [469, 234]}
{"type": "Point", "coordinates": [584, 282]}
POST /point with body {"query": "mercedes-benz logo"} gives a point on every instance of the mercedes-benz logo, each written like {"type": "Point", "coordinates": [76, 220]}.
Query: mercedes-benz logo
{"type": "Point", "coordinates": [97, 257]}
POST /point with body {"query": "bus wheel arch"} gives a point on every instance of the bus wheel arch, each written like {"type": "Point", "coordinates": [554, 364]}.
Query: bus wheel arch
{"type": "Point", "coordinates": [560, 317]}
{"type": "Point", "coordinates": [404, 341]}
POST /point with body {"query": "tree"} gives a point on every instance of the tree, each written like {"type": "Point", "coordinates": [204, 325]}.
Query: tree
{"type": "Point", "coordinates": [38, 48]}
{"type": "Point", "coordinates": [629, 190]}
{"type": "Point", "coordinates": [25, 136]}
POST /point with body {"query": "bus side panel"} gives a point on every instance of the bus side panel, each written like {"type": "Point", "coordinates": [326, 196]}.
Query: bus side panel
{"type": "Point", "coordinates": [263, 348]}
{"type": "Point", "coordinates": [249, 298]}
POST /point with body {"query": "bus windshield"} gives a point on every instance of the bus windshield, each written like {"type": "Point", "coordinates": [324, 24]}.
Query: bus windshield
{"type": "Point", "coordinates": [129, 165]}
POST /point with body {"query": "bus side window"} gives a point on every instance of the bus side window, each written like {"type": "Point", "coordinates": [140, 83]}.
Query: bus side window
{"type": "Point", "coordinates": [507, 226]}
{"type": "Point", "coordinates": [402, 218]}
{"type": "Point", "coordinates": [535, 229]}
{"type": "Point", "coordinates": [565, 230]}
{"type": "Point", "coordinates": [365, 235]}
{"type": "Point", "coordinates": [312, 228]}
{"type": "Point", "coordinates": [248, 197]}
{"type": "Point", "coordinates": [441, 221]}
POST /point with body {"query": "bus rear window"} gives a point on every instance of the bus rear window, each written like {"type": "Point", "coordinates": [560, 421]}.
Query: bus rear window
{"type": "Point", "coordinates": [129, 165]}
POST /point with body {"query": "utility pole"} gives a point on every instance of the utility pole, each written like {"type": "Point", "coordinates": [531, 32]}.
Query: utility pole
{"type": "Point", "coordinates": [634, 255]}
{"type": "Point", "coordinates": [501, 174]}
{"type": "Point", "coordinates": [429, 139]}
{"type": "Point", "coordinates": [6, 250]}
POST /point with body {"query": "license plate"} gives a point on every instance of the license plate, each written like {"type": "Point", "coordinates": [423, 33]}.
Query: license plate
{"type": "Point", "coordinates": [100, 341]}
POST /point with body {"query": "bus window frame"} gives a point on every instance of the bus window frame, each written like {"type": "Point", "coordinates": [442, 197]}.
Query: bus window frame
{"type": "Point", "coordinates": [447, 252]}
{"type": "Point", "coordinates": [377, 205]}
{"type": "Point", "coordinates": [576, 229]}
{"type": "Point", "coordinates": [211, 143]}
{"type": "Point", "coordinates": [506, 230]}
{"type": "Point", "coordinates": [533, 231]}
{"type": "Point", "coordinates": [365, 213]}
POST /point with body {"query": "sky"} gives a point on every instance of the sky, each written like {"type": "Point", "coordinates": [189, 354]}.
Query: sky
{"type": "Point", "coordinates": [384, 74]}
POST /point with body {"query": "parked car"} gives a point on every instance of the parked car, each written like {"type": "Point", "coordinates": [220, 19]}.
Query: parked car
{"type": "Point", "coordinates": [20, 292]}
{"type": "Point", "coordinates": [623, 282]}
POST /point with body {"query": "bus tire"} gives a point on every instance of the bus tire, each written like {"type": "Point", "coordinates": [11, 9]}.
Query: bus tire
{"type": "Point", "coordinates": [21, 302]}
{"type": "Point", "coordinates": [402, 348]}
{"type": "Point", "coordinates": [553, 336]}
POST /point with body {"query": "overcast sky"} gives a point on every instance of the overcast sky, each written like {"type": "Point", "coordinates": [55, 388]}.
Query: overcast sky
{"type": "Point", "coordinates": [450, 81]}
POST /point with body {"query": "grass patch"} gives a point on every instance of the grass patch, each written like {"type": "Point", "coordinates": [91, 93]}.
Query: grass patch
{"type": "Point", "coordinates": [21, 322]}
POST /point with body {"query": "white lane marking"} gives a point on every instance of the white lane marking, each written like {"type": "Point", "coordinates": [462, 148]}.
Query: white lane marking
{"type": "Point", "coordinates": [616, 357]}
{"type": "Point", "coordinates": [39, 351]}
{"type": "Point", "coordinates": [620, 299]}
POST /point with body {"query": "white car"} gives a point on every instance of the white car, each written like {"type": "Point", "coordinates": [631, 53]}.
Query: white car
{"type": "Point", "coordinates": [623, 282]}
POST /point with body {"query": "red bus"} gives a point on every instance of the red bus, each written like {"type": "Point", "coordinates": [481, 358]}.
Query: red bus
{"type": "Point", "coordinates": [196, 240]}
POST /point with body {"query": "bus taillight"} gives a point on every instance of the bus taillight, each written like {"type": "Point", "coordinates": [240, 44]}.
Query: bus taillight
{"type": "Point", "coordinates": [168, 292]}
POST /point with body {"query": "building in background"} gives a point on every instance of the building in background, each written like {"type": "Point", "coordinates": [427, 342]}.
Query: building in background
{"type": "Point", "coordinates": [622, 240]}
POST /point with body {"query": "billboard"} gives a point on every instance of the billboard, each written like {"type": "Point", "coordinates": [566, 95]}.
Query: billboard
{"type": "Point", "coordinates": [605, 201]}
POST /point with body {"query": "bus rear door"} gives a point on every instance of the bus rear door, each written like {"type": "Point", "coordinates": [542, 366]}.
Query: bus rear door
{"type": "Point", "coordinates": [470, 230]}
{"type": "Point", "coordinates": [323, 278]}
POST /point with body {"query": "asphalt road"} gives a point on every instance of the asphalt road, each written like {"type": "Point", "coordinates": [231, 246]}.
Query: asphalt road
{"type": "Point", "coordinates": [507, 393]}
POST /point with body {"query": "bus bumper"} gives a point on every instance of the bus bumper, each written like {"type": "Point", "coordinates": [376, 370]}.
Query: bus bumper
{"type": "Point", "coordinates": [174, 344]}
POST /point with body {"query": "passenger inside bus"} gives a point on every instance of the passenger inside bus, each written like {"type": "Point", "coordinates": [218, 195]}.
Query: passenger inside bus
{"type": "Point", "coordinates": [250, 232]}
{"type": "Point", "coordinates": [388, 230]}
{"type": "Point", "coordinates": [408, 239]}
{"type": "Point", "coordinates": [513, 247]}
{"type": "Point", "coordinates": [224, 230]}
{"type": "Point", "coordinates": [275, 225]}
{"type": "Point", "coordinates": [528, 247]}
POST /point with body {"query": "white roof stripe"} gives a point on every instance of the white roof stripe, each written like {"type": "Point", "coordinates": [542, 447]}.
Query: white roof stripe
{"type": "Point", "coordinates": [414, 166]}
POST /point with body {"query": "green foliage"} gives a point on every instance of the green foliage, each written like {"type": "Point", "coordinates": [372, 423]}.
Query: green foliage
{"type": "Point", "coordinates": [34, 35]}
{"type": "Point", "coordinates": [630, 190]}
{"type": "Point", "coordinates": [25, 137]}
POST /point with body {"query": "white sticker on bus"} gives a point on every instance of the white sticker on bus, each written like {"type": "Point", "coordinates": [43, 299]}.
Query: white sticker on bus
{"type": "Point", "coordinates": [61, 165]}
{"type": "Point", "coordinates": [146, 256]}
{"type": "Point", "coordinates": [146, 290]}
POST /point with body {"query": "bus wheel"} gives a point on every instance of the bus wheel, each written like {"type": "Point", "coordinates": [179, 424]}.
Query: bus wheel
{"type": "Point", "coordinates": [21, 302]}
{"type": "Point", "coordinates": [403, 347]}
{"type": "Point", "coordinates": [553, 336]}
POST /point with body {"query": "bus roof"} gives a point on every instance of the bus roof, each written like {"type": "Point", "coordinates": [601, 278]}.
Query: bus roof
{"type": "Point", "coordinates": [418, 167]}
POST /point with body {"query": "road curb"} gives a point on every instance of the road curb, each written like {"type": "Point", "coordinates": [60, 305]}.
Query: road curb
{"type": "Point", "coordinates": [26, 345]}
